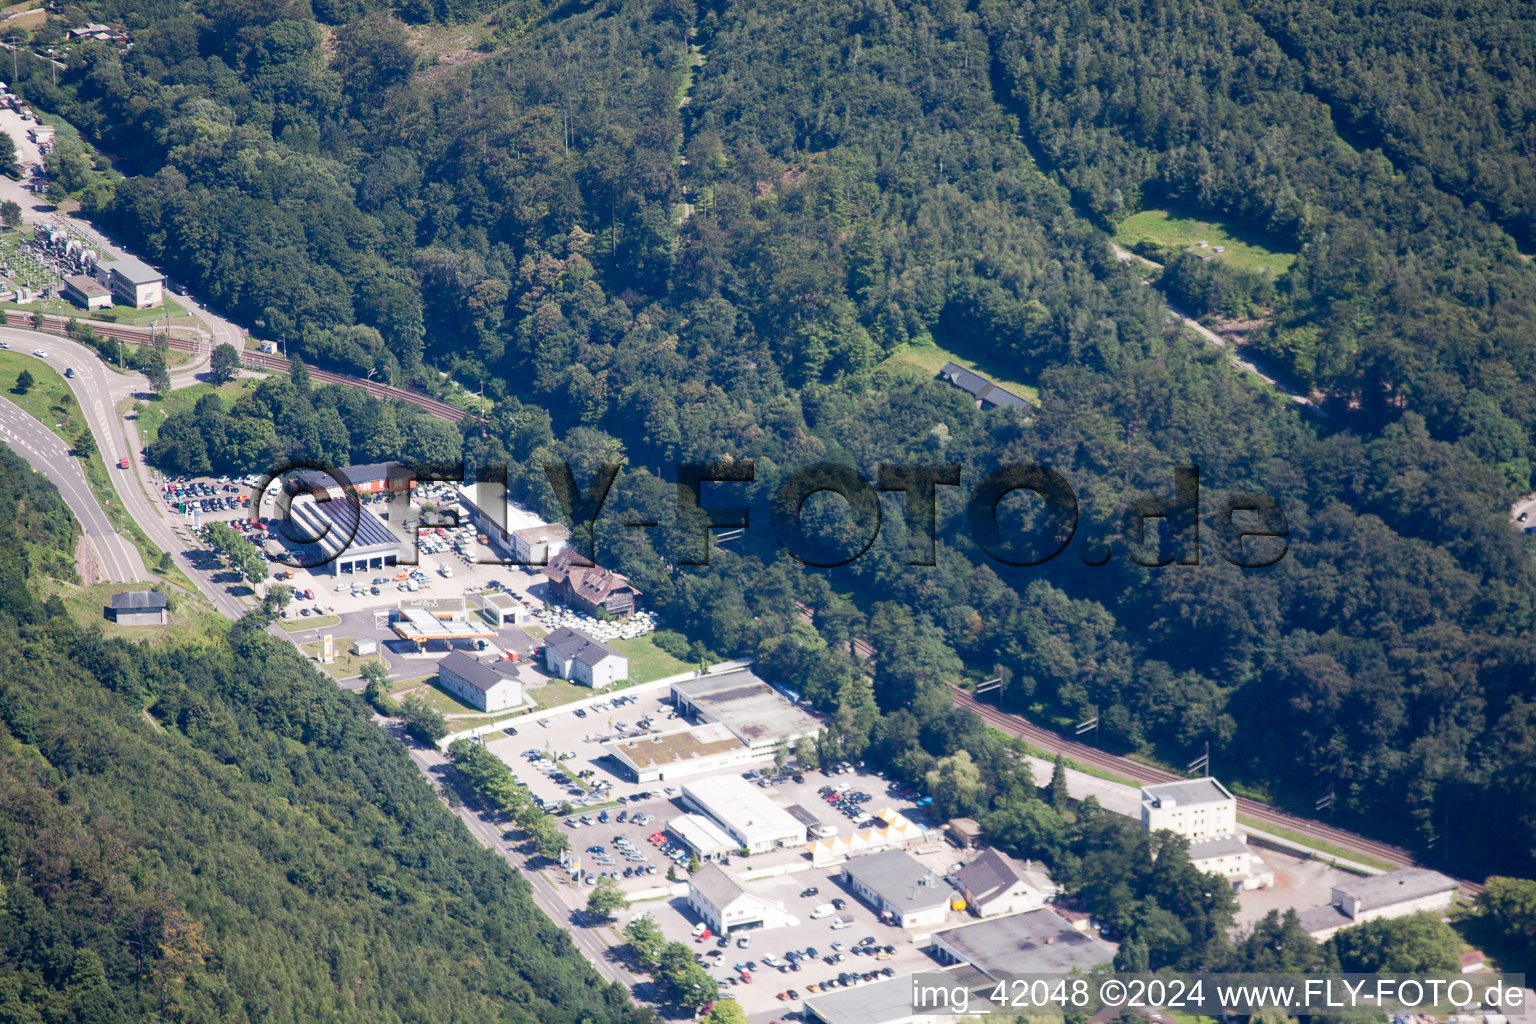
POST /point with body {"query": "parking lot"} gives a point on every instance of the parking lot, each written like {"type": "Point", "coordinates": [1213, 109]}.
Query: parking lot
{"type": "Point", "coordinates": [807, 952]}
{"type": "Point", "coordinates": [785, 877]}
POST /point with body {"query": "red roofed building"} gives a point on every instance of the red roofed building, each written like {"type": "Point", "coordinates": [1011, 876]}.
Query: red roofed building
{"type": "Point", "coordinates": [590, 588]}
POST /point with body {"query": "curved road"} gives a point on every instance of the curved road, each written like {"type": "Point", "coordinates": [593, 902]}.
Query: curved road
{"type": "Point", "coordinates": [100, 391]}
{"type": "Point", "coordinates": [116, 556]}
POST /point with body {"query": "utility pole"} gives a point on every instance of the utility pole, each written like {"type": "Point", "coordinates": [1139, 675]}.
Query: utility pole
{"type": "Point", "coordinates": [14, 42]}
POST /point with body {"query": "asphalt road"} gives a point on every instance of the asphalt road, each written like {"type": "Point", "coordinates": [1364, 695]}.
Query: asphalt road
{"type": "Point", "coordinates": [100, 390]}
{"type": "Point", "coordinates": [116, 556]}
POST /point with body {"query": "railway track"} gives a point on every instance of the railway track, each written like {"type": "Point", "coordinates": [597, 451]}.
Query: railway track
{"type": "Point", "coordinates": [50, 324]}
{"type": "Point", "coordinates": [1260, 812]}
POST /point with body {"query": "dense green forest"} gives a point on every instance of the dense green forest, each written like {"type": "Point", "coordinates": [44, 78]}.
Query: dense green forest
{"type": "Point", "coordinates": [211, 831]}
{"type": "Point", "coordinates": [664, 232]}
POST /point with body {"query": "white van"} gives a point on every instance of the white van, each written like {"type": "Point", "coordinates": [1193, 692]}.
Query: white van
{"type": "Point", "coordinates": [825, 910]}
{"type": "Point", "coordinates": [824, 831]}
{"type": "Point", "coordinates": [841, 923]}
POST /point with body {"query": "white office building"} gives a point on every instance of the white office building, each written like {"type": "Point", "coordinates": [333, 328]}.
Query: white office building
{"type": "Point", "coordinates": [1198, 810]}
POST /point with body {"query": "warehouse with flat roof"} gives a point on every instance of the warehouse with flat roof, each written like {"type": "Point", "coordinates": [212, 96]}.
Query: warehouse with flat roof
{"type": "Point", "coordinates": [745, 812]}
{"type": "Point", "coordinates": [681, 754]}
{"type": "Point", "coordinates": [757, 713]}
{"type": "Point", "coordinates": [1038, 942]}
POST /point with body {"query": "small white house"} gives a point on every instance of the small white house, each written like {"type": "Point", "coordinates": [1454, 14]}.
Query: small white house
{"type": "Point", "coordinates": [478, 684]}
{"type": "Point", "coordinates": [994, 885]}
{"type": "Point", "coordinates": [581, 659]}
{"type": "Point", "coordinates": [726, 906]}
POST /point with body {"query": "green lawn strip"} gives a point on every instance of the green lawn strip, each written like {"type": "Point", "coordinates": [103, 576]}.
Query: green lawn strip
{"type": "Point", "coordinates": [556, 692]}
{"type": "Point", "coordinates": [1175, 230]}
{"type": "Point", "coordinates": [85, 605]}
{"type": "Point", "coordinates": [647, 661]}
{"type": "Point", "coordinates": [929, 356]}
{"type": "Point", "coordinates": [300, 624]}
{"type": "Point", "coordinates": [346, 665]}
{"type": "Point", "coordinates": [1313, 843]}
{"type": "Point", "coordinates": [430, 690]}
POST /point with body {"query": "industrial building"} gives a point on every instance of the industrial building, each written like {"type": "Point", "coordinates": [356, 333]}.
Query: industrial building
{"type": "Point", "coordinates": [138, 608]}
{"type": "Point", "coordinates": [1039, 942]}
{"type": "Point", "coordinates": [1198, 810]}
{"type": "Point", "coordinates": [994, 885]}
{"type": "Point", "coordinates": [346, 537]}
{"type": "Point", "coordinates": [900, 890]}
{"type": "Point", "coordinates": [745, 812]}
{"type": "Point", "coordinates": [536, 545]}
{"type": "Point", "coordinates": [681, 754]}
{"type": "Point", "coordinates": [707, 840]}
{"type": "Point", "coordinates": [480, 685]}
{"type": "Point", "coordinates": [725, 906]}
{"type": "Point", "coordinates": [581, 659]}
{"type": "Point", "coordinates": [1233, 859]}
{"type": "Point", "coordinates": [86, 293]}
{"type": "Point", "coordinates": [366, 478]}
{"type": "Point", "coordinates": [501, 519]}
{"type": "Point", "coordinates": [132, 282]}
{"type": "Point", "coordinates": [1394, 894]}
{"type": "Point", "coordinates": [890, 1001]}
{"type": "Point", "coordinates": [758, 715]}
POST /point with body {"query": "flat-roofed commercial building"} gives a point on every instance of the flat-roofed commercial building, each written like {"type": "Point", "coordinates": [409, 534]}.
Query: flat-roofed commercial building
{"type": "Point", "coordinates": [681, 754]}
{"type": "Point", "coordinates": [893, 1000]}
{"type": "Point", "coordinates": [899, 889]}
{"type": "Point", "coordinates": [86, 293]}
{"type": "Point", "coordinates": [1394, 894]}
{"type": "Point", "coordinates": [133, 282]}
{"type": "Point", "coordinates": [1199, 809]}
{"type": "Point", "coordinates": [706, 839]}
{"type": "Point", "coordinates": [1038, 942]}
{"type": "Point", "coordinates": [745, 812]}
{"type": "Point", "coordinates": [756, 712]}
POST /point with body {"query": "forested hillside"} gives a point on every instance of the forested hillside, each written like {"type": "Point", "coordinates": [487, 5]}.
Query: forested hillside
{"type": "Point", "coordinates": [662, 232]}
{"type": "Point", "coordinates": [213, 832]}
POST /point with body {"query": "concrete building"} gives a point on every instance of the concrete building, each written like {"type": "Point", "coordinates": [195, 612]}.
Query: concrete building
{"type": "Point", "coordinates": [504, 609]}
{"type": "Point", "coordinates": [746, 705]}
{"type": "Point", "coordinates": [1038, 942]}
{"type": "Point", "coordinates": [497, 516]}
{"type": "Point", "coordinates": [138, 608]}
{"type": "Point", "coordinates": [340, 535]}
{"type": "Point", "coordinates": [900, 890]}
{"type": "Point", "coordinates": [707, 840]}
{"type": "Point", "coordinates": [581, 659]}
{"type": "Point", "coordinates": [681, 754]}
{"type": "Point", "coordinates": [891, 1001]}
{"type": "Point", "coordinates": [1233, 859]}
{"type": "Point", "coordinates": [726, 907]}
{"type": "Point", "coordinates": [478, 684]}
{"type": "Point", "coordinates": [1198, 810]}
{"type": "Point", "coordinates": [536, 545]}
{"type": "Point", "coordinates": [745, 812]}
{"type": "Point", "coordinates": [132, 282]}
{"type": "Point", "coordinates": [994, 884]}
{"type": "Point", "coordinates": [86, 293]}
{"type": "Point", "coordinates": [1394, 894]}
